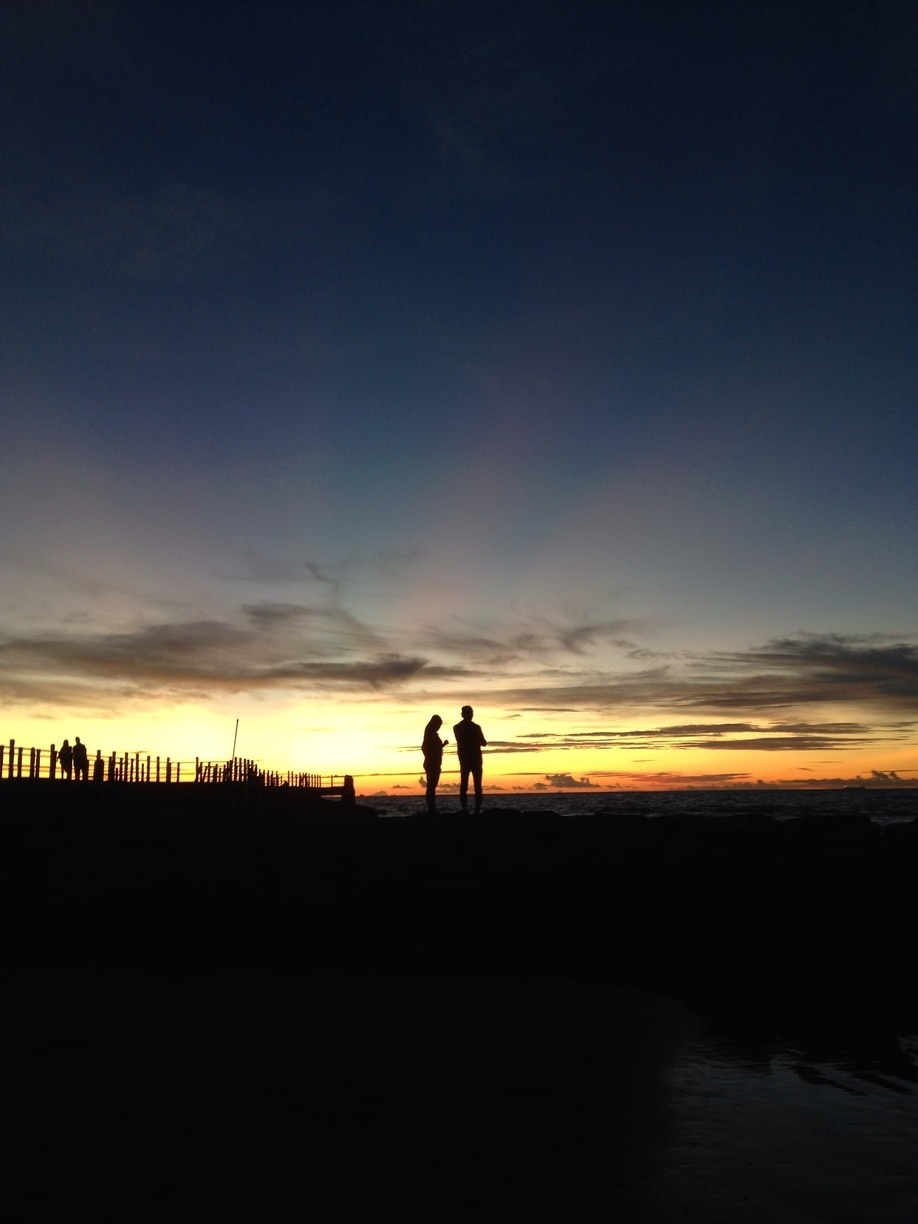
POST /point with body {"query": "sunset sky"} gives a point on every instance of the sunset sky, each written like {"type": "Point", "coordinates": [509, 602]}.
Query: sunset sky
{"type": "Point", "coordinates": [360, 361]}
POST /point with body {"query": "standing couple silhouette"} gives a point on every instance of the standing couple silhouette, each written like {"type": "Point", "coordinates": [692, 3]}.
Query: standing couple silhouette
{"type": "Point", "coordinates": [469, 742]}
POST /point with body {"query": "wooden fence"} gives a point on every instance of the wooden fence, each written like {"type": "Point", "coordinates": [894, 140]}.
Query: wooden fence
{"type": "Point", "coordinates": [37, 763]}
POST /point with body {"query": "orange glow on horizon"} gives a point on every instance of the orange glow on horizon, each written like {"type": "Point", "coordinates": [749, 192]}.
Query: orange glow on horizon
{"type": "Point", "coordinates": [379, 746]}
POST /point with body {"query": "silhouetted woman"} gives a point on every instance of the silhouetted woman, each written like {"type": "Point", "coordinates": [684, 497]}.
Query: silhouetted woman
{"type": "Point", "coordinates": [65, 756]}
{"type": "Point", "coordinates": [432, 747]}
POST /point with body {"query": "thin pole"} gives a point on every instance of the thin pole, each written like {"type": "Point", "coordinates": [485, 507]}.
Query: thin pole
{"type": "Point", "coordinates": [235, 733]}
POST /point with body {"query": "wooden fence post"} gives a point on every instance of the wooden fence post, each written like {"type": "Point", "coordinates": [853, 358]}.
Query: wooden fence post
{"type": "Point", "coordinates": [132, 767]}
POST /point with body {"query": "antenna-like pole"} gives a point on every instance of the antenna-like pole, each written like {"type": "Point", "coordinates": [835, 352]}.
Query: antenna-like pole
{"type": "Point", "coordinates": [235, 733]}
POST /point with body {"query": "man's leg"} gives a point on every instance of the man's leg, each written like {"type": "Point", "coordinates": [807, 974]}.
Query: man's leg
{"type": "Point", "coordinates": [464, 787]}
{"type": "Point", "coordinates": [476, 775]}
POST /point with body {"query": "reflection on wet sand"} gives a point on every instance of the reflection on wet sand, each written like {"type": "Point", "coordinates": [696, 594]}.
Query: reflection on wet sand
{"type": "Point", "coordinates": [788, 1141]}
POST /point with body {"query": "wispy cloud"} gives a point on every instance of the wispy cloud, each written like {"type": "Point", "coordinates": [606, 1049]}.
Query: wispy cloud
{"type": "Point", "coordinates": [269, 646]}
{"type": "Point", "coordinates": [814, 693]}
{"type": "Point", "coordinates": [676, 780]}
{"type": "Point", "coordinates": [878, 672]}
{"type": "Point", "coordinates": [144, 237]}
{"type": "Point", "coordinates": [482, 99]}
{"type": "Point", "coordinates": [751, 737]}
{"type": "Point", "coordinates": [261, 567]}
{"type": "Point", "coordinates": [535, 638]}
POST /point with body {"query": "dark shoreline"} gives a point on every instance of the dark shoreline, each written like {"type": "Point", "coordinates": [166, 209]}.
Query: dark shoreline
{"type": "Point", "coordinates": [227, 1000]}
{"type": "Point", "coordinates": [689, 905]}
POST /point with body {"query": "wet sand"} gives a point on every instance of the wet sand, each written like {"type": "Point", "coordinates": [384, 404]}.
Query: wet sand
{"type": "Point", "coordinates": [283, 1094]}
{"type": "Point", "coordinates": [788, 1142]}
{"type": "Point", "coordinates": [277, 1094]}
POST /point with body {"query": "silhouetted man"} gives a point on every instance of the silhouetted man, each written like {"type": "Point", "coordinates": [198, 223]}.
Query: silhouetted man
{"type": "Point", "coordinates": [469, 743]}
{"type": "Point", "coordinates": [432, 747]}
{"type": "Point", "coordinates": [80, 761]}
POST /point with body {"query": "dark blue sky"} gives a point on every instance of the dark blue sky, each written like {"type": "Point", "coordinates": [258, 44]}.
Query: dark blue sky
{"type": "Point", "coordinates": [457, 321]}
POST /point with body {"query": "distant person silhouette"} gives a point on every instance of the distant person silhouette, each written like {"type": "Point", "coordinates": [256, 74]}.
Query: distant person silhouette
{"type": "Point", "coordinates": [80, 761]}
{"type": "Point", "coordinates": [469, 743]}
{"type": "Point", "coordinates": [432, 747]}
{"type": "Point", "coordinates": [65, 759]}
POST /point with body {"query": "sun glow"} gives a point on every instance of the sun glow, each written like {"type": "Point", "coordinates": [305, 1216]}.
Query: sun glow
{"type": "Point", "coordinates": [377, 741]}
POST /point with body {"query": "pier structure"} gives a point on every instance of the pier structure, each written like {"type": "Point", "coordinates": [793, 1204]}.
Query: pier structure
{"type": "Point", "coordinates": [19, 763]}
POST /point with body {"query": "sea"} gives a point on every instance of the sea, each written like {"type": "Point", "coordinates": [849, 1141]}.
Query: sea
{"type": "Point", "coordinates": [883, 805]}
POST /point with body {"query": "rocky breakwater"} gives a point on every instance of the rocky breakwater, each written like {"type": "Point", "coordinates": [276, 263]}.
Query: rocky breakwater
{"type": "Point", "coordinates": [680, 904]}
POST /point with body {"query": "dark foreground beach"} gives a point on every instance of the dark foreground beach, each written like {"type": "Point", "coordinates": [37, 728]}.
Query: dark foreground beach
{"type": "Point", "coordinates": [225, 1003]}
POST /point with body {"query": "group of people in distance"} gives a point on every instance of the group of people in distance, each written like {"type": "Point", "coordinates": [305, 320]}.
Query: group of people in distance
{"type": "Point", "coordinates": [469, 743]}
{"type": "Point", "coordinates": [74, 760]}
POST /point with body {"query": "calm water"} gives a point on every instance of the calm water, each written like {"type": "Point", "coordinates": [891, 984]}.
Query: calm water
{"type": "Point", "coordinates": [883, 805]}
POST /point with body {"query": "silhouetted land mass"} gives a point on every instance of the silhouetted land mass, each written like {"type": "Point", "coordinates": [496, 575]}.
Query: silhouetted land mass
{"type": "Point", "coordinates": [223, 1001]}
{"type": "Point", "coordinates": [813, 907]}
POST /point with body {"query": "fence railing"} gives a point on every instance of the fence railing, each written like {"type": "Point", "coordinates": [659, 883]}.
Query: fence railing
{"type": "Point", "coordinates": [17, 761]}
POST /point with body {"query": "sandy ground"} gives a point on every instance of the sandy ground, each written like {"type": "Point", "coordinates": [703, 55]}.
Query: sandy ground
{"type": "Point", "coordinates": [284, 1094]}
{"type": "Point", "coordinates": [276, 1094]}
